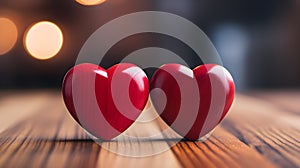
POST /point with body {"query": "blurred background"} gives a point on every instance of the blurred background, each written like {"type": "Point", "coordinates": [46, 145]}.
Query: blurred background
{"type": "Point", "coordinates": [259, 41]}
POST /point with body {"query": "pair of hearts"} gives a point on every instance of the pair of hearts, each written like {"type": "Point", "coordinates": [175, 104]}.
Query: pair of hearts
{"type": "Point", "coordinates": [107, 102]}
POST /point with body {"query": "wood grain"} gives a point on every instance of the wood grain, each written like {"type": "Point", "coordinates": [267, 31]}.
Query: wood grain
{"type": "Point", "coordinates": [262, 130]}
{"type": "Point", "coordinates": [267, 128]}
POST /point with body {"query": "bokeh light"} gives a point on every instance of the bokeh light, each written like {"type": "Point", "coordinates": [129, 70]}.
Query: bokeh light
{"type": "Point", "coordinates": [90, 2]}
{"type": "Point", "coordinates": [43, 40]}
{"type": "Point", "coordinates": [8, 35]}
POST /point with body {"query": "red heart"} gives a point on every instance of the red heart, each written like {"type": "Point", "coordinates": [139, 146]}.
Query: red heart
{"type": "Point", "coordinates": [105, 102]}
{"type": "Point", "coordinates": [192, 102]}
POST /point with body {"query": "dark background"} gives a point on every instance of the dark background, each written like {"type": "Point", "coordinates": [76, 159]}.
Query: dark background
{"type": "Point", "coordinates": [259, 41]}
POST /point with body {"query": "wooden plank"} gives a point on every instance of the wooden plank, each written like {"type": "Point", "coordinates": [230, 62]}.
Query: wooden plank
{"type": "Point", "coordinates": [49, 122]}
{"type": "Point", "coordinates": [50, 138]}
{"type": "Point", "coordinates": [288, 101]}
{"type": "Point", "coordinates": [16, 107]}
{"type": "Point", "coordinates": [109, 159]}
{"type": "Point", "coordinates": [256, 133]}
{"type": "Point", "coordinates": [269, 130]}
{"type": "Point", "coordinates": [221, 150]}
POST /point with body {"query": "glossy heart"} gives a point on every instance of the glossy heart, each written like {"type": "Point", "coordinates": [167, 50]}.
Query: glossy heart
{"type": "Point", "coordinates": [105, 102]}
{"type": "Point", "coordinates": [192, 102]}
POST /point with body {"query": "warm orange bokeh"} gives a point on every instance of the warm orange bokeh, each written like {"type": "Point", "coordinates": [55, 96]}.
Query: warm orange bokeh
{"type": "Point", "coordinates": [8, 35]}
{"type": "Point", "coordinates": [43, 40]}
{"type": "Point", "coordinates": [90, 2]}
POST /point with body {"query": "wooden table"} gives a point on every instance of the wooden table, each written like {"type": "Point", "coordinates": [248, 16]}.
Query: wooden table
{"type": "Point", "coordinates": [262, 130]}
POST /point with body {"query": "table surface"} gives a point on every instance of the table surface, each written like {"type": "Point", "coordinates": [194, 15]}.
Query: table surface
{"type": "Point", "coordinates": [261, 130]}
